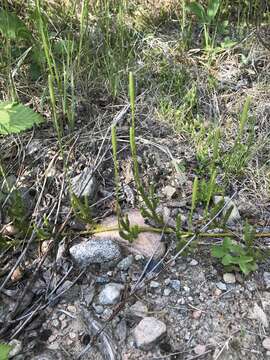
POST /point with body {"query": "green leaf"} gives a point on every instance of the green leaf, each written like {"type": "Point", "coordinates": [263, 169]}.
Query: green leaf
{"type": "Point", "coordinates": [12, 27]}
{"type": "Point", "coordinates": [227, 260]}
{"type": "Point", "coordinates": [218, 251]}
{"type": "Point", "coordinates": [4, 351]}
{"type": "Point", "coordinates": [15, 117]}
{"type": "Point", "coordinates": [198, 10]}
{"type": "Point", "coordinates": [212, 8]}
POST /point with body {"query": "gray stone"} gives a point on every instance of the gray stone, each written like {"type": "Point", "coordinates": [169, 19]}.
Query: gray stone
{"type": "Point", "coordinates": [154, 284]}
{"type": "Point", "coordinates": [169, 191]}
{"type": "Point", "coordinates": [175, 284]}
{"type": "Point", "coordinates": [121, 331]}
{"type": "Point", "coordinates": [266, 343]}
{"type": "Point", "coordinates": [266, 278]}
{"type": "Point", "coordinates": [98, 308]}
{"type": "Point", "coordinates": [138, 310]}
{"type": "Point", "coordinates": [149, 332]}
{"type": "Point", "coordinates": [33, 146]}
{"type": "Point", "coordinates": [16, 347]}
{"type": "Point", "coordinates": [110, 294]}
{"type": "Point", "coordinates": [95, 252]}
{"type": "Point", "coordinates": [102, 279]}
{"type": "Point", "coordinates": [221, 286]}
{"type": "Point", "coordinates": [167, 292]}
{"type": "Point", "coordinates": [125, 263]}
{"type": "Point", "coordinates": [84, 184]}
{"type": "Point", "coordinates": [229, 278]}
{"type": "Point", "coordinates": [193, 262]}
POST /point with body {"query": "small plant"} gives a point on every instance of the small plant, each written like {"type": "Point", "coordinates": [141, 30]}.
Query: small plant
{"type": "Point", "coordinates": [238, 156]}
{"type": "Point", "coordinates": [234, 256]}
{"type": "Point", "coordinates": [149, 199]}
{"type": "Point", "coordinates": [206, 17]}
{"type": "Point", "coordinates": [202, 192]}
{"type": "Point", "coordinates": [81, 208]}
{"type": "Point", "coordinates": [126, 231]}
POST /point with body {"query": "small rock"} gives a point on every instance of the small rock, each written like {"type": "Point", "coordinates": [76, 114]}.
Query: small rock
{"type": "Point", "coordinates": [197, 314]}
{"type": "Point", "coordinates": [55, 323]}
{"type": "Point", "coordinates": [167, 292]}
{"type": "Point", "coordinates": [17, 274]}
{"type": "Point", "coordinates": [139, 257]}
{"type": "Point", "coordinates": [110, 294]}
{"type": "Point", "coordinates": [95, 252]}
{"type": "Point", "coordinates": [33, 146]}
{"type": "Point", "coordinates": [266, 277]}
{"type": "Point", "coordinates": [16, 347]}
{"type": "Point", "coordinates": [154, 284]}
{"type": "Point", "coordinates": [84, 184]}
{"type": "Point", "coordinates": [102, 279]}
{"type": "Point", "coordinates": [235, 215]}
{"type": "Point", "coordinates": [138, 310]}
{"type": "Point", "coordinates": [221, 286]}
{"type": "Point", "coordinates": [229, 278]}
{"type": "Point", "coordinates": [258, 314]}
{"type": "Point", "coordinates": [199, 349]}
{"type": "Point", "coordinates": [175, 284]}
{"type": "Point", "coordinates": [72, 309]}
{"type": "Point", "coordinates": [148, 332]}
{"type": "Point", "coordinates": [125, 263]}
{"type": "Point", "coordinates": [167, 281]}
{"type": "Point", "coordinates": [98, 309]}
{"type": "Point", "coordinates": [72, 335]}
{"type": "Point", "coordinates": [266, 343]}
{"type": "Point", "coordinates": [169, 191]}
{"type": "Point", "coordinates": [217, 292]}
{"type": "Point", "coordinates": [193, 262]}
{"type": "Point", "coordinates": [9, 230]}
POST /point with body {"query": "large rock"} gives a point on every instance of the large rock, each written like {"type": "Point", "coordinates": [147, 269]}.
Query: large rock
{"type": "Point", "coordinates": [145, 244]}
{"type": "Point", "coordinates": [84, 184]}
{"type": "Point", "coordinates": [96, 251]}
{"type": "Point", "coordinates": [110, 294]}
{"type": "Point", "coordinates": [149, 332]}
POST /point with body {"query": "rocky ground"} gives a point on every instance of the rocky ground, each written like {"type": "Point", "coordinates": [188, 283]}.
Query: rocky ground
{"type": "Point", "coordinates": [66, 294]}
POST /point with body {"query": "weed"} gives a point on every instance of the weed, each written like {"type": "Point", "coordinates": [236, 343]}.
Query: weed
{"type": "Point", "coordinates": [150, 201]}
{"type": "Point", "coordinates": [236, 159]}
{"type": "Point", "coordinates": [234, 256]}
{"type": "Point", "coordinates": [206, 17]}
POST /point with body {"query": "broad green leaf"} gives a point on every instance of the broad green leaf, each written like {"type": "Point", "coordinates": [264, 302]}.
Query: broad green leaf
{"type": "Point", "coordinates": [4, 351]}
{"type": "Point", "coordinates": [218, 251]}
{"type": "Point", "coordinates": [198, 10]}
{"type": "Point", "coordinates": [15, 117]}
{"type": "Point", "coordinates": [212, 8]}
{"type": "Point", "coordinates": [12, 27]}
{"type": "Point", "coordinates": [227, 260]}
{"type": "Point", "coordinates": [227, 242]}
